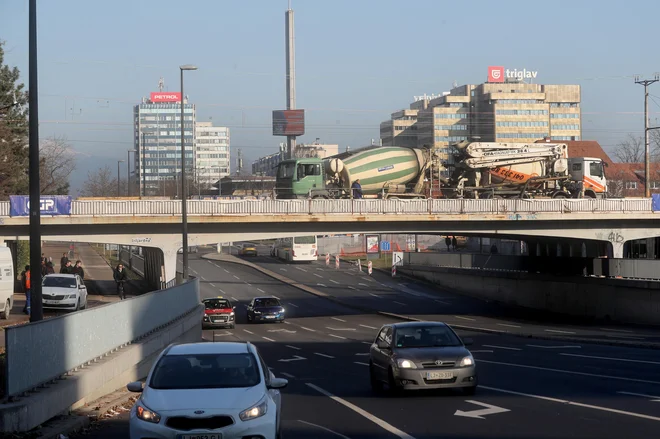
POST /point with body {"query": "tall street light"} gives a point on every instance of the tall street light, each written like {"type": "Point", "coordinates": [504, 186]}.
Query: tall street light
{"type": "Point", "coordinates": [118, 181]}
{"type": "Point", "coordinates": [128, 174]}
{"type": "Point", "coordinates": [184, 195]}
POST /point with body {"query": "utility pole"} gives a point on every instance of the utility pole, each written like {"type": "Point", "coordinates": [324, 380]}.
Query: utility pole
{"type": "Point", "coordinates": [647, 141]}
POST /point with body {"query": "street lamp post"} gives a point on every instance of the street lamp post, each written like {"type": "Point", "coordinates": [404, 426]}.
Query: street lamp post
{"type": "Point", "coordinates": [128, 169]}
{"type": "Point", "coordinates": [184, 195]}
{"type": "Point", "coordinates": [118, 181]}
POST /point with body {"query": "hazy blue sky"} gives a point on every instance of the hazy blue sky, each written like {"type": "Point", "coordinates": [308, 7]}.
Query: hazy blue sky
{"type": "Point", "coordinates": [357, 61]}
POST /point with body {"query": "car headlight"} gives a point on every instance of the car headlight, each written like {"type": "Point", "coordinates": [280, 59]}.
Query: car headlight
{"type": "Point", "coordinates": [145, 414]}
{"type": "Point", "coordinates": [257, 312]}
{"type": "Point", "coordinates": [405, 364]}
{"type": "Point", "coordinates": [255, 411]}
{"type": "Point", "coordinates": [467, 361]}
{"type": "Point", "coordinates": [231, 314]}
{"type": "Point", "coordinates": [282, 311]}
{"type": "Point", "coordinates": [72, 296]}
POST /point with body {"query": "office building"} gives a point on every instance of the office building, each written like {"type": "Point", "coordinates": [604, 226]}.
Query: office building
{"type": "Point", "coordinates": [268, 165]}
{"type": "Point", "coordinates": [212, 153]}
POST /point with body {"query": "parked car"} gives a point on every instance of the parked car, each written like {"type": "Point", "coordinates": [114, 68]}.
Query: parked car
{"type": "Point", "coordinates": [421, 355]}
{"type": "Point", "coordinates": [64, 291]}
{"type": "Point", "coordinates": [208, 390]}
{"type": "Point", "coordinates": [248, 250]}
{"type": "Point", "coordinates": [218, 312]}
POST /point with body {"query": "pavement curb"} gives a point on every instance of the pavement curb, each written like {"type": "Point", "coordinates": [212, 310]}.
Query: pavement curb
{"type": "Point", "coordinates": [234, 260]}
{"type": "Point", "coordinates": [64, 426]}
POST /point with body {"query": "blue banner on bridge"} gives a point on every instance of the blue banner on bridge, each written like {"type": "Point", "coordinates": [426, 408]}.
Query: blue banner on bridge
{"type": "Point", "coordinates": [19, 205]}
{"type": "Point", "coordinates": [655, 203]}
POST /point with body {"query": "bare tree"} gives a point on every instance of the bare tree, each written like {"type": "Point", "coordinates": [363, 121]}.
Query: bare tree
{"type": "Point", "coordinates": [630, 150]}
{"type": "Point", "coordinates": [102, 183]}
{"type": "Point", "coordinates": [57, 163]}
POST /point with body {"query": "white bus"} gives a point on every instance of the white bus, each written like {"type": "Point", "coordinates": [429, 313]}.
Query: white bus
{"type": "Point", "coordinates": [300, 248]}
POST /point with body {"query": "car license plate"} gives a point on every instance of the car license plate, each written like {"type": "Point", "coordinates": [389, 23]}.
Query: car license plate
{"type": "Point", "coordinates": [200, 436]}
{"type": "Point", "coordinates": [270, 317]}
{"type": "Point", "coordinates": [49, 302]}
{"type": "Point", "coordinates": [439, 375]}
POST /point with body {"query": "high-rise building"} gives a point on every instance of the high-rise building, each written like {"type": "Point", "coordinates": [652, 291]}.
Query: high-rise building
{"type": "Point", "coordinates": [157, 138]}
{"type": "Point", "coordinates": [501, 110]}
{"type": "Point", "coordinates": [212, 153]}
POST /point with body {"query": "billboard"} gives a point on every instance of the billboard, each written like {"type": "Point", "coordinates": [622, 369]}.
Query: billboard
{"type": "Point", "coordinates": [19, 205]}
{"type": "Point", "coordinates": [495, 74]}
{"type": "Point", "coordinates": [288, 122]}
{"type": "Point", "coordinates": [166, 96]}
{"type": "Point", "coordinates": [372, 243]}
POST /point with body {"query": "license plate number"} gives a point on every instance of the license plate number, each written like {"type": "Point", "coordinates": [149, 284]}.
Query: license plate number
{"type": "Point", "coordinates": [200, 436]}
{"type": "Point", "coordinates": [48, 302]}
{"type": "Point", "coordinates": [270, 317]}
{"type": "Point", "coordinates": [439, 375]}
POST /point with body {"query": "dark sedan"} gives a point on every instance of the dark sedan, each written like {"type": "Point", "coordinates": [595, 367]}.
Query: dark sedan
{"type": "Point", "coordinates": [421, 355]}
{"type": "Point", "coordinates": [265, 309]}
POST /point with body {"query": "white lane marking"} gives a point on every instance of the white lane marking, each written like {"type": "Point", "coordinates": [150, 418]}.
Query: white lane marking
{"type": "Point", "coordinates": [237, 277]}
{"type": "Point", "coordinates": [216, 265]}
{"type": "Point", "coordinates": [360, 363]}
{"type": "Point", "coordinates": [501, 347]}
{"type": "Point", "coordinates": [226, 271]}
{"type": "Point", "coordinates": [308, 329]}
{"type": "Point", "coordinates": [479, 414]}
{"type": "Point", "coordinates": [193, 271]}
{"type": "Point", "coordinates": [283, 269]}
{"type": "Point", "coordinates": [202, 278]}
{"type": "Point", "coordinates": [301, 269]}
{"type": "Point", "coordinates": [320, 285]}
{"type": "Point", "coordinates": [507, 325]}
{"type": "Point", "coordinates": [248, 284]}
{"type": "Point", "coordinates": [375, 295]}
{"type": "Point", "coordinates": [352, 288]}
{"type": "Point", "coordinates": [367, 342]}
{"type": "Point", "coordinates": [338, 319]}
{"type": "Point", "coordinates": [464, 318]}
{"type": "Point", "coordinates": [616, 330]}
{"type": "Point", "coordinates": [481, 350]}
{"type": "Point", "coordinates": [334, 281]}
{"type": "Point", "coordinates": [323, 355]}
{"type": "Point", "coordinates": [234, 299]}
{"type": "Point", "coordinates": [275, 297]}
{"type": "Point", "coordinates": [368, 327]}
{"type": "Point", "coordinates": [338, 336]}
{"type": "Point", "coordinates": [440, 301]}
{"type": "Point", "coordinates": [266, 338]}
{"type": "Point", "coordinates": [261, 291]}
{"type": "Point", "coordinates": [572, 372]}
{"type": "Point", "coordinates": [627, 360]}
{"type": "Point", "coordinates": [292, 347]}
{"type": "Point", "coordinates": [553, 347]}
{"type": "Point", "coordinates": [213, 285]}
{"type": "Point", "coordinates": [222, 335]}
{"type": "Point", "coordinates": [384, 425]}
{"type": "Point", "coordinates": [362, 354]}
{"type": "Point", "coordinates": [399, 303]}
{"type": "Point", "coordinates": [324, 429]}
{"type": "Point", "coordinates": [340, 329]}
{"type": "Point", "coordinates": [654, 398]}
{"type": "Point", "coordinates": [288, 375]}
{"type": "Point", "coordinates": [295, 358]}
{"type": "Point", "coordinates": [363, 285]}
{"type": "Point", "coordinates": [220, 289]}
{"type": "Point", "coordinates": [249, 332]}
{"type": "Point", "coordinates": [293, 305]}
{"type": "Point", "coordinates": [634, 337]}
{"type": "Point", "coordinates": [578, 404]}
{"type": "Point", "coordinates": [319, 268]}
{"type": "Point", "coordinates": [558, 331]}
{"type": "Point", "coordinates": [318, 275]}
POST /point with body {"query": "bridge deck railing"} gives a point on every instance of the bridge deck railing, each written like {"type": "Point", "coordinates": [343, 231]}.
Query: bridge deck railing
{"type": "Point", "coordinates": [110, 207]}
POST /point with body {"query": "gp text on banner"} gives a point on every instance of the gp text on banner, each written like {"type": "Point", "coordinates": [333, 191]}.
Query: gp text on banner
{"type": "Point", "coordinates": [19, 205]}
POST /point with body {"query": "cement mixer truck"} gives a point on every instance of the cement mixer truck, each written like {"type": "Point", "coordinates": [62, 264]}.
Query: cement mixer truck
{"type": "Point", "coordinates": [479, 170]}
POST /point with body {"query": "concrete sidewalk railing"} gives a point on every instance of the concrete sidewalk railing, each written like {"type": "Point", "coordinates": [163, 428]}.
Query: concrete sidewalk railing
{"type": "Point", "coordinates": [56, 363]}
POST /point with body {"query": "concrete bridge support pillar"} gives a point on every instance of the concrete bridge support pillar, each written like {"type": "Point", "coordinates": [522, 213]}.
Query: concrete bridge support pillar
{"type": "Point", "coordinates": [616, 250]}
{"type": "Point", "coordinates": [153, 267]}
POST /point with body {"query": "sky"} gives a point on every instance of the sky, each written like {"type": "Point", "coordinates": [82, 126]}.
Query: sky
{"type": "Point", "coordinates": [357, 61]}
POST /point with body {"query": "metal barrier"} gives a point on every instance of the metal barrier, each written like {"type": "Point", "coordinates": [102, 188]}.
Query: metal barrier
{"type": "Point", "coordinates": [38, 353]}
{"type": "Point", "coordinates": [132, 261]}
{"type": "Point", "coordinates": [113, 207]}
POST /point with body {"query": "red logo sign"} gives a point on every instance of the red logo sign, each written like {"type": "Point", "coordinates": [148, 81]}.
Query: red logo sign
{"type": "Point", "coordinates": [495, 74]}
{"type": "Point", "coordinates": [166, 97]}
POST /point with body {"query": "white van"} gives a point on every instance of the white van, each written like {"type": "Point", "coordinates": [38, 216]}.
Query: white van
{"type": "Point", "coordinates": [6, 282]}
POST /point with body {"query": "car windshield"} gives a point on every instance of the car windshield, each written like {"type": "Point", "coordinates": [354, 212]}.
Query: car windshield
{"type": "Point", "coordinates": [217, 304]}
{"type": "Point", "coordinates": [205, 371]}
{"type": "Point", "coordinates": [267, 302]}
{"type": "Point", "coordinates": [426, 336]}
{"type": "Point", "coordinates": [60, 282]}
{"type": "Point", "coordinates": [304, 240]}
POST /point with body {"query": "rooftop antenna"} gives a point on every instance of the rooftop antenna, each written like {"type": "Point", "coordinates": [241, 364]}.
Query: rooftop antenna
{"type": "Point", "coordinates": [161, 84]}
{"type": "Point", "coordinates": [455, 84]}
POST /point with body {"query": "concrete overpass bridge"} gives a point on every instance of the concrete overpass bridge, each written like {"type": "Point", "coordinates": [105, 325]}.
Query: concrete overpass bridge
{"type": "Point", "coordinates": [156, 224]}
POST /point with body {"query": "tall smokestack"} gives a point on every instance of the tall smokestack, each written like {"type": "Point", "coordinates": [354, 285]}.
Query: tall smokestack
{"type": "Point", "coordinates": [290, 75]}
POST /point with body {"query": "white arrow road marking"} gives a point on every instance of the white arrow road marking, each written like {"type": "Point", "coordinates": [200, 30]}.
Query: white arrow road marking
{"type": "Point", "coordinates": [340, 329]}
{"type": "Point", "coordinates": [552, 347]}
{"type": "Point", "coordinates": [479, 414]}
{"type": "Point", "coordinates": [295, 358]}
{"type": "Point", "coordinates": [221, 335]}
{"type": "Point", "coordinates": [334, 281]}
{"type": "Point", "coordinates": [282, 330]}
{"type": "Point", "coordinates": [292, 347]}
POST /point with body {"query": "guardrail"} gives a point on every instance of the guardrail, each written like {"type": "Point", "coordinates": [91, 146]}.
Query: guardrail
{"type": "Point", "coordinates": [41, 352]}
{"type": "Point", "coordinates": [112, 207]}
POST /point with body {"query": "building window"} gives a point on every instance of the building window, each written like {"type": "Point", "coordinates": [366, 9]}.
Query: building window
{"type": "Point", "coordinates": [565, 127]}
{"type": "Point", "coordinates": [655, 185]}
{"type": "Point", "coordinates": [522, 135]}
{"type": "Point", "coordinates": [451, 116]}
{"type": "Point", "coordinates": [564, 116]}
{"type": "Point", "coordinates": [564, 104]}
{"type": "Point", "coordinates": [451, 127]}
{"type": "Point", "coordinates": [450, 138]}
{"type": "Point", "coordinates": [522, 124]}
{"type": "Point", "coordinates": [522, 112]}
{"type": "Point", "coordinates": [518, 101]}
{"type": "Point", "coordinates": [565, 138]}
{"type": "Point", "coordinates": [631, 185]}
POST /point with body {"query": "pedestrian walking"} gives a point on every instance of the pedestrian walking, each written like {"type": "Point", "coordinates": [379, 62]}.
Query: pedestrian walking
{"type": "Point", "coordinates": [27, 284]}
{"type": "Point", "coordinates": [66, 269]}
{"type": "Point", "coordinates": [448, 243]}
{"type": "Point", "coordinates": [78, 270]}
{"type": "Point", "coordinates": [120, 277]}
{"type": "Point", "coordinates": [454, 243]}
{"type": "Point", "coordinates": [63, 261]}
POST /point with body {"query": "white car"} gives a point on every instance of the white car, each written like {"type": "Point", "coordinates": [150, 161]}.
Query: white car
{"type": "Point", "coordinates": [63, 291]}
{"type": "Point", "coordinates": [208, 391]}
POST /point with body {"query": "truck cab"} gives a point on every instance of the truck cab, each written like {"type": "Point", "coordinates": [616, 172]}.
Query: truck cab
{"type": "Point", "coordinates": [591, 173]}
{"type": "Point", "coordinates": [298, 178]}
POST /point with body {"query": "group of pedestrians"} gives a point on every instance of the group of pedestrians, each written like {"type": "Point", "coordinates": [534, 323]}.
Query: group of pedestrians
{"type": "Point", "coordinates": [67, 268]}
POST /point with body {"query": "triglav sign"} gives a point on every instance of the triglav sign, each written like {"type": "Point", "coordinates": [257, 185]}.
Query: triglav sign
{"type": "Point", "coordinates": [500, 74]}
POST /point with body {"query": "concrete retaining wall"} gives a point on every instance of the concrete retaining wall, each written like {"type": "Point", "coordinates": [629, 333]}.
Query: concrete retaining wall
{"type": "Point", "coordinates": [627, 301]}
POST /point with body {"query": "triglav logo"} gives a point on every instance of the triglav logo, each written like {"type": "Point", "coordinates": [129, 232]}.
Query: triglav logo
{"type": "Point", "coordinates": [500, 74]}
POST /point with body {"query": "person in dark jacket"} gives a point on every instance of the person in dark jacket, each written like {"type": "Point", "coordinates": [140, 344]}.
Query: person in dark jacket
{"type": "Point", "coordinates": [357, 189]}
{"type": "Point", "coordinates": [78, 270]}
{"type": "Point", "coordinates": [50, 267]}
{"type": "Point", "coordinates": [120, 277]}
{"type": "Point", "coordinates": [67, 268]}
{"type": "Point", "coordinates": [63, 261]}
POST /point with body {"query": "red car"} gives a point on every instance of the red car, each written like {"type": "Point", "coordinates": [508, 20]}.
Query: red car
{"type": "Point", "coordinates": [218, 313]}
